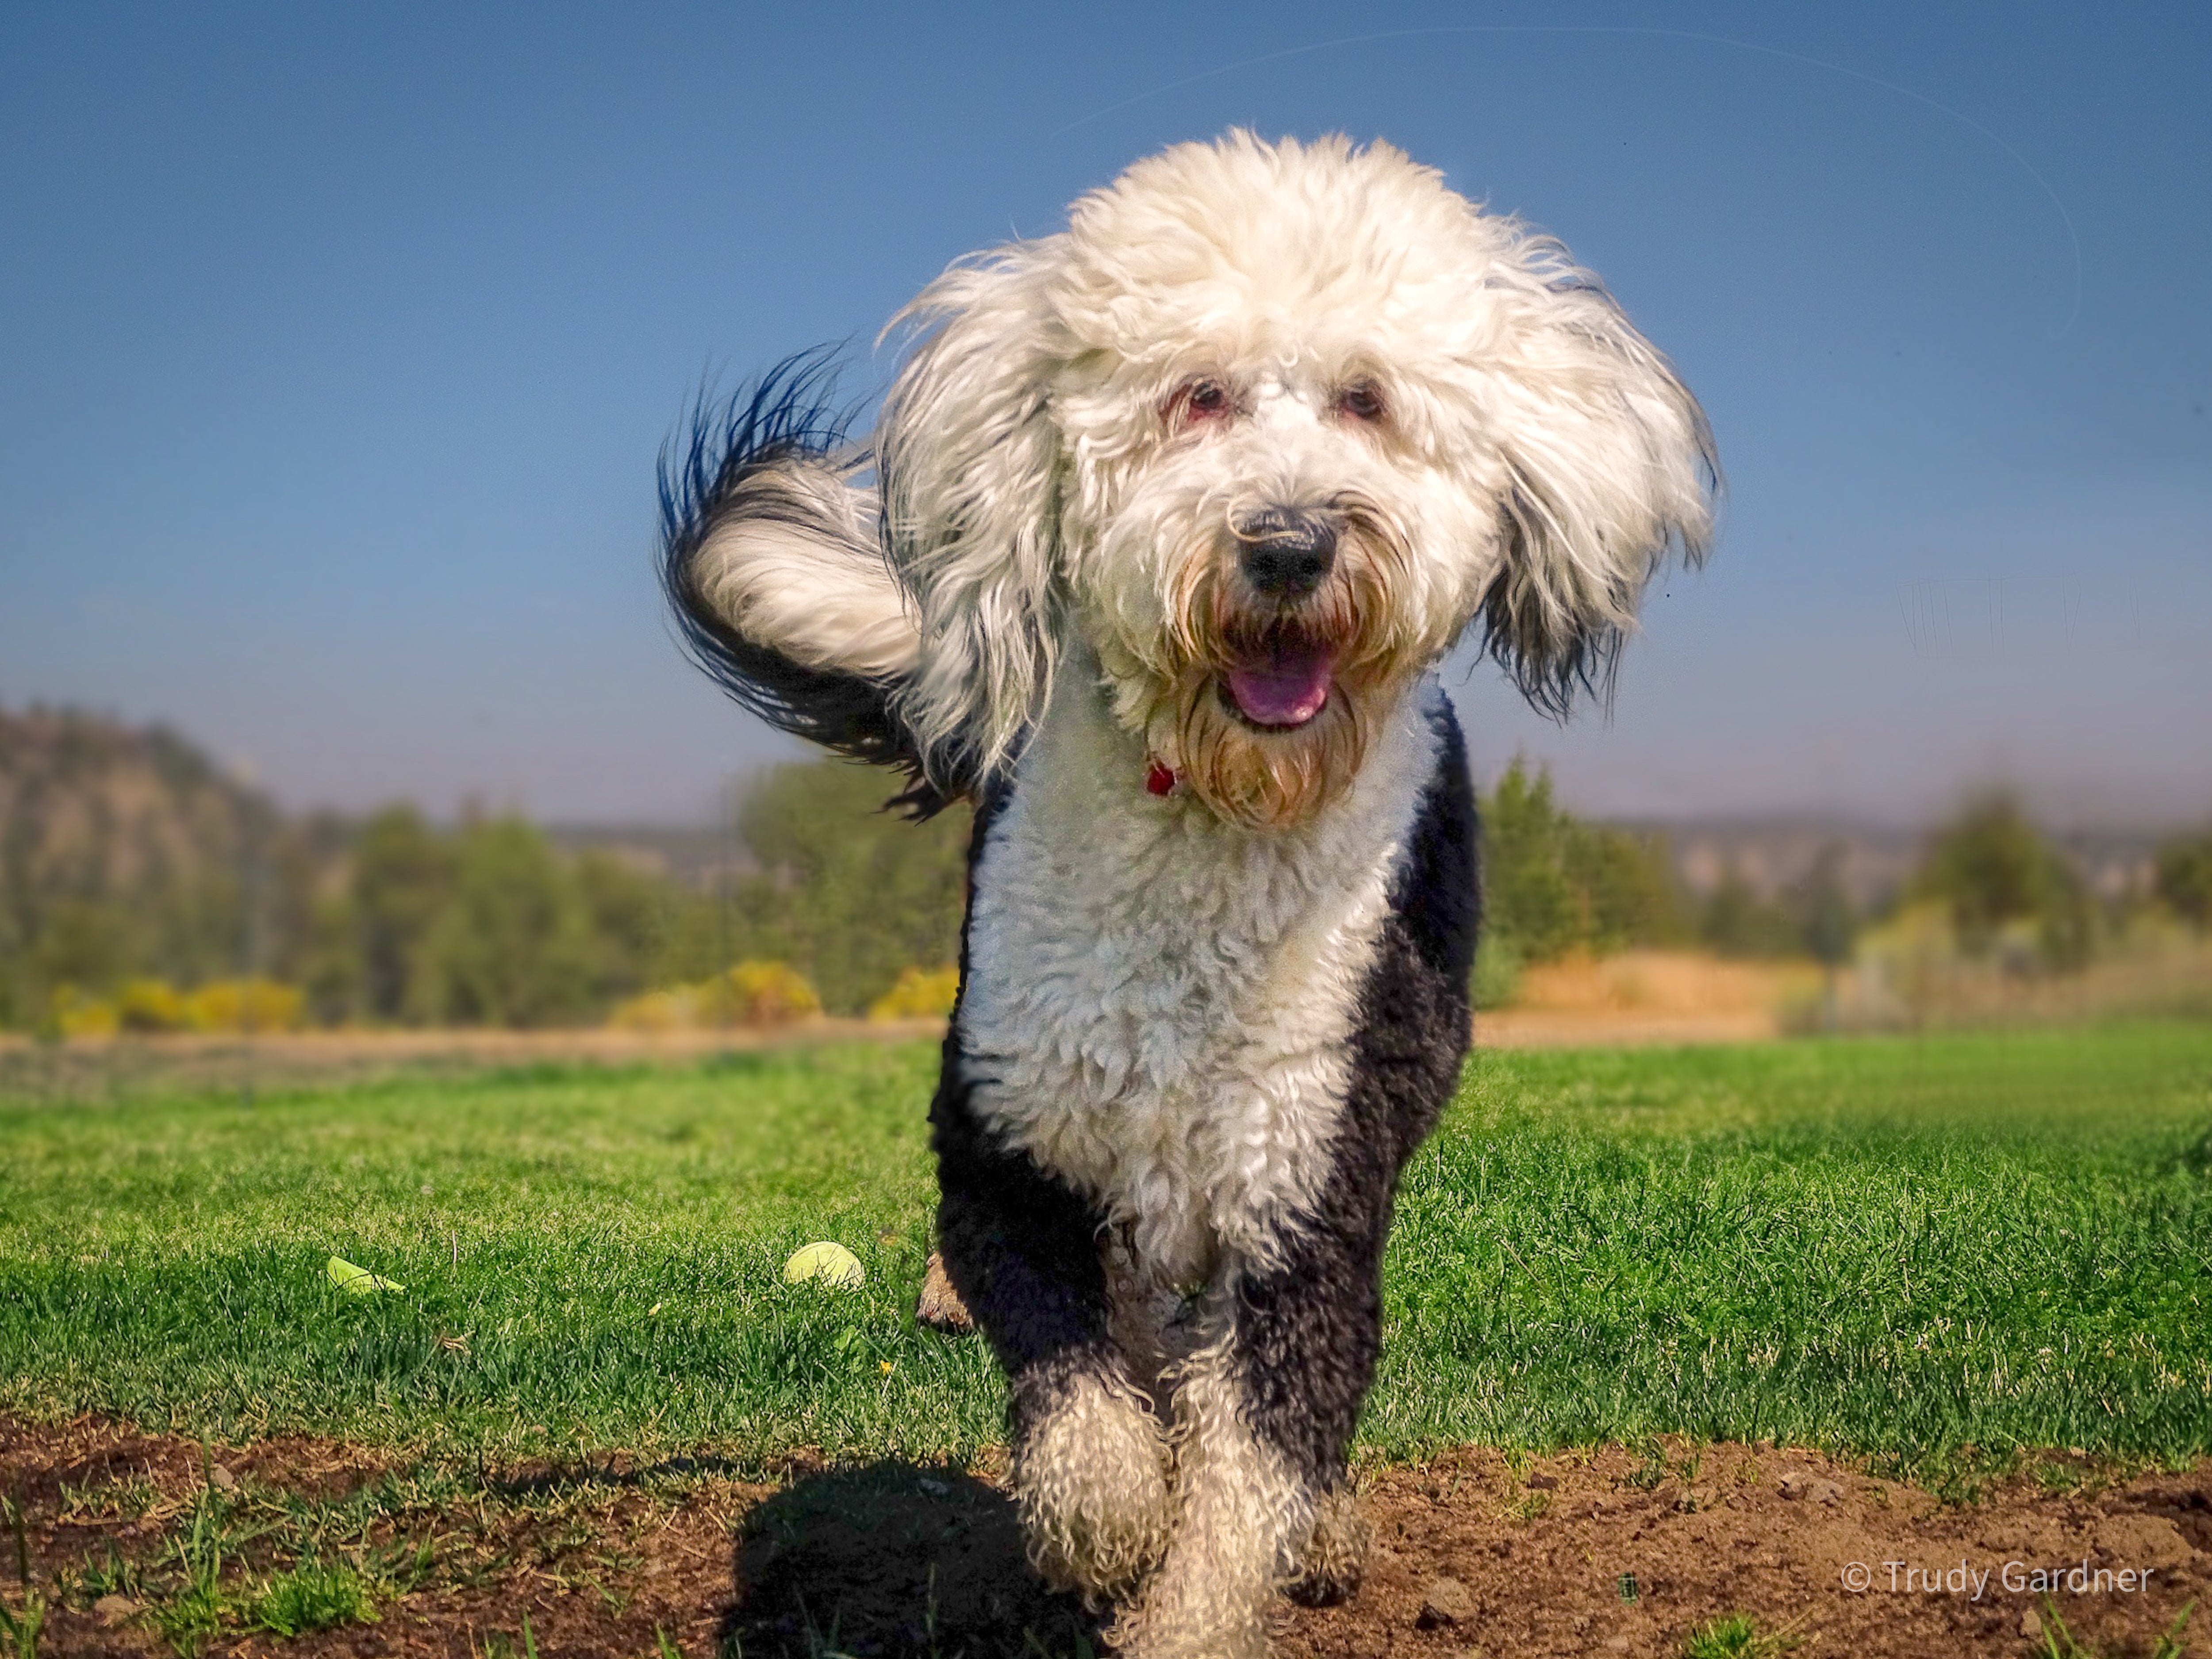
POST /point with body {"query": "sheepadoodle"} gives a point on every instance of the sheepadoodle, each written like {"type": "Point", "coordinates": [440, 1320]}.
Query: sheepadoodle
{"type": "Point", "coordinates": [1152, 554]}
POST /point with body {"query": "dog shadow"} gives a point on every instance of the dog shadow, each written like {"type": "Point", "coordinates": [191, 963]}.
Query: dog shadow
{"type": "Point", "coordinates": [895, 1561]}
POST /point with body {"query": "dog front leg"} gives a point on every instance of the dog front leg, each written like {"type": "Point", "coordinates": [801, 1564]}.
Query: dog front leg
{"type": "Point", "coordinates": [1264, 1416]}
{"type": "Point", "coordinates": [1090, 1465]}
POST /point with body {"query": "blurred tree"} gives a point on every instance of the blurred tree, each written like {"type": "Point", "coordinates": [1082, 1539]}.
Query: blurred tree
{"type": "Point", "coordinates": [330, 968]}
{"type": "Point", "coordinates": [513, 945]}
{"type": "Point", "coordinates": [1827, 924]}
{"type": "Point", "coordinates": [630, 915]}
{"type": "Point", "coordinates": [1827, 920]}
{"type": "Point", "coordinates": [1629, 895]}
{"type": "Point", "coordinates": [402, 878]}
{"type": "Point", "coordinates": [1992, 867]}
{"type": "Point", "coordinates": [849, 895]}
{"type": "Point", "coordinates": [2066, 926]}
{"type": "Point", "coordinates": [2184, 878]}
{"type": "Point", "coordinates": [1736, 921]}
{"type": "Point", "coordinates": [83, 942]}
{"type": "Point", "coordinates": [1552, 883]}
{"type": "Point", "coordinates": [1528, 897]}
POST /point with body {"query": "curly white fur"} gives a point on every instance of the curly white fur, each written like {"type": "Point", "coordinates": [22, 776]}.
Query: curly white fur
{"type": "Point", "coordinates": [1171, 1043]}
{"type": "Point", "coordinates": [1092, 1483]}
{"type": "Point", "coordinates": [1242, 1524]}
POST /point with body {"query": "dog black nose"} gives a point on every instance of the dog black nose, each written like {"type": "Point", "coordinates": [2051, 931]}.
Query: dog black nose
{"type": "Point", "coordinates": [1287, 553]}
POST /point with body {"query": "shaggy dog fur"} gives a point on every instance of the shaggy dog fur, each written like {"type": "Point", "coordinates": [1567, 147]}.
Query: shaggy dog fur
{"type": "Point", "coordinates": [1152, 554]}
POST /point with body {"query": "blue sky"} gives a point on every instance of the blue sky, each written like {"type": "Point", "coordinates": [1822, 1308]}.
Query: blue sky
{"type": "Point", "coordinates": [337, 344]}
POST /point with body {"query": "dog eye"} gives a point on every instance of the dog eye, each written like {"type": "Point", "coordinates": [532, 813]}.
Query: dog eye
{"type": "Point", "coordinates": [1201, 400]}
{"type": "Point", "coordinates": [1362, 401]}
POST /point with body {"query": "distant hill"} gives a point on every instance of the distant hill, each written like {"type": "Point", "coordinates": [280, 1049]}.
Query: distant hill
{"type": "Point", "coordinates": [128, 849]}
{"type": "Point", "coordinates": [87, 805]}
{"type": "Point", "coordinates": [1770, 855]}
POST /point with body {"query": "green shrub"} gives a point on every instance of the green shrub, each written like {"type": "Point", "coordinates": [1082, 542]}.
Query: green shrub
{"type": "Point", "coordinates": [1993, 869]}
{"type": "Point", "coordinates": [1497, 971]}
{"type": "Point", "coordinates": [2184, 878]}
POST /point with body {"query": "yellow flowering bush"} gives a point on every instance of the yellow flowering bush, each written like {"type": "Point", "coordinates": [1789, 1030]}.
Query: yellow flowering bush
{"type": "Point", "coordinates": [79, 1013]}
{"type": "Point", "coordinates": [748, 994]}
{"type": "Point", "coordinates": [757, 994]}
{"type": "Point", "coordinates": [920, 993]}
{"type": "Point", "coordinates": [150, 1005]}
{"type": "Point", "coordinates": [245, 1005]}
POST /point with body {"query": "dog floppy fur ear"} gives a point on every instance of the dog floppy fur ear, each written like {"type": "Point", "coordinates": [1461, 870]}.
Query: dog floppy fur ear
{"type": "Point", "coordinates": [969, 461]}
{"type": "Point", "coordinates": [1610, 470]}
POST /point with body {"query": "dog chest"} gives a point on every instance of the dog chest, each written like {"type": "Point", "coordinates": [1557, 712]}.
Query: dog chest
{"type": "Point", "coordinates": [1158, 1009]}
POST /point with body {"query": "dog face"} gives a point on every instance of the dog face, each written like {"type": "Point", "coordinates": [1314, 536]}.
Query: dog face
{"type": "Point", "coordinates": [1264, 431]}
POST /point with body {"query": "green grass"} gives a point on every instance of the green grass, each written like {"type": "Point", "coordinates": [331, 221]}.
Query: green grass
{"type": "Point", "coordinates": [1736, 1636]}
{"type": "Point", "coordinates": [1925, 1250]}
{"type": "Point", "coordinates": [2054, 1640]}
{"type": "Point", "coordinates": [312, 1597]}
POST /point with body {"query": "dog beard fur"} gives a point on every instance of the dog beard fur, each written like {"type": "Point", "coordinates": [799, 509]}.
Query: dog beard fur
{"type": "Point", "coordinates": [1269, 777]}
{"type": "Point", "coordinates": [1254, 776]}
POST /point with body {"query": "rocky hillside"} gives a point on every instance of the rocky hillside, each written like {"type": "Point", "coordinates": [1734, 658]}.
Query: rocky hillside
{"type": "Point", "coordinates": [127, 849]}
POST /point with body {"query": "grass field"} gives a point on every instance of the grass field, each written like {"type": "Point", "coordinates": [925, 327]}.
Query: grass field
{"type": "Point", "coordinates": [1920, 1249]}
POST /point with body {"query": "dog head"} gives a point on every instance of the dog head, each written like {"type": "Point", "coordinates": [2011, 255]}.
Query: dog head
{"type": "Point", "coordinates": [1266, 428]}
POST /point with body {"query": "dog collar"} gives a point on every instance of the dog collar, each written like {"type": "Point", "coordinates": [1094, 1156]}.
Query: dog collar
{"type": "Point", "coordinates": [1159, 778]}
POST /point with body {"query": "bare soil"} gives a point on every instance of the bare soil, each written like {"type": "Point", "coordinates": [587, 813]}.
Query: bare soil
{"type": "Point", "coordinates": [1599, 1554]}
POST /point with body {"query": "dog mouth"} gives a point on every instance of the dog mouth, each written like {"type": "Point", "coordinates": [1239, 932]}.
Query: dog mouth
{"type": "Point", "coordinates": [1282, 682]}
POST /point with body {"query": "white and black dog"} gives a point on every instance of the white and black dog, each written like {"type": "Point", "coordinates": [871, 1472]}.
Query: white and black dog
{"type": "Point", "coordinates": [1153, 550]}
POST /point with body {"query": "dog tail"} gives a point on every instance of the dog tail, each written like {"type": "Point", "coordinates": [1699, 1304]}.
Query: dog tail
{"type": "Point", "coordinates": [772, 561]}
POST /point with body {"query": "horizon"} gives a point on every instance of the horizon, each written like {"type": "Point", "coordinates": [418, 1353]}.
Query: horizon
{"type": "Point", "coordinates": [713, 819]}
{"type": "Point", "coordinates": [343, 347]}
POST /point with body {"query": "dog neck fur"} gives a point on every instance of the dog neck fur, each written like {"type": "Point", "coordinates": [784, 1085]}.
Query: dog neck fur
{"type": "Point", "coordinates": [1159, 1002]}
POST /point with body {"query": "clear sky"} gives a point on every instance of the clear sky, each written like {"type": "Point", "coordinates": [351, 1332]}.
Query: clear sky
{"type": "Point", "coordinates": [337, 344]}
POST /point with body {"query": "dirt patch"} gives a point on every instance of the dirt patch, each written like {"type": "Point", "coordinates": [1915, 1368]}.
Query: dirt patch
{"type": "Point", "coordinates": [1612, 1553]}
{"type": "Point", "coordinates": [1619, 1554]}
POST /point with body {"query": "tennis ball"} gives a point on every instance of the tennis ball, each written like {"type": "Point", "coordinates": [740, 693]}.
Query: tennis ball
{"type": "Point", "coordinates": [832, 1264]}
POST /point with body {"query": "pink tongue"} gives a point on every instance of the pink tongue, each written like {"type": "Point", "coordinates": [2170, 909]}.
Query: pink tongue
{"type": "Point", "coordinates": [1288, 689]}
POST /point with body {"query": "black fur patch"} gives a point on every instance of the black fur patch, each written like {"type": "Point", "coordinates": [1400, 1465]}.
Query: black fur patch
{"type": "Point", "coordinates": [1312, 1332]}
{"type": "Point", "coordinates": [1020, 1247]}
{"type": "Point", "coordinates": [787, 413]}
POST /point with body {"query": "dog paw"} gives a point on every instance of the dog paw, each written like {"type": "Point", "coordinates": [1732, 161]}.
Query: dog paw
{"type": "Point", "coordinates": [1217, 1632]}
{"type": "Point", "coordinates": [1091, 1481]}
{"type": "Point", "coordinates": [1335, 1557]}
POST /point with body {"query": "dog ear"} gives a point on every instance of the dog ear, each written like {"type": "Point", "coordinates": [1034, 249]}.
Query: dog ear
{"type": "Point", "coordinates": [969, 463]}
{"type": "Point", "coordinates": [1610, 470]}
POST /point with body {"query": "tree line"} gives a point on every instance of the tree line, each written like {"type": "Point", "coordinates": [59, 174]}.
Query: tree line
{"type": "Point", "coordinates": [133, 874]}
{"type": "Point", "coordinates": [217, 906]}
